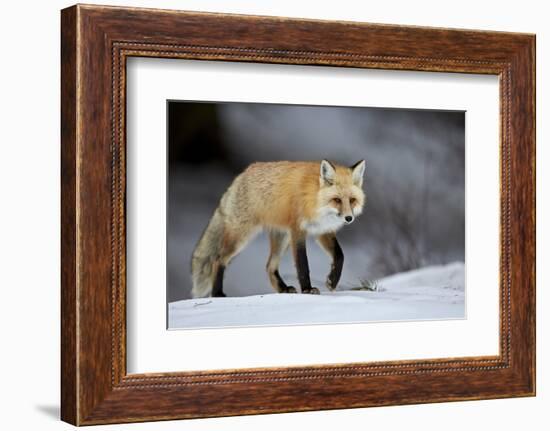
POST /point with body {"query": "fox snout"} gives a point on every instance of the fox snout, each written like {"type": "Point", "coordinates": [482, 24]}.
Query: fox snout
{"type": "Point", "coordinates": [346, 212]}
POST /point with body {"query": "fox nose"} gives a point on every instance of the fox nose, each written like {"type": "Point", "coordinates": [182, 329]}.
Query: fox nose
{"type": "Point", "coordinates": [348, 219]}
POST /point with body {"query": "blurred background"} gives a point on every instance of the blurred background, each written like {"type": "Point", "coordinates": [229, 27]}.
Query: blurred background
{"type": "Point", "coordinates": [414, 183]}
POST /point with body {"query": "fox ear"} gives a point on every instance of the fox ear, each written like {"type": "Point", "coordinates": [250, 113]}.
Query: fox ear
{"type": "Point", "coordinates": [328, 173]}
{"type": "Point", "coordinates": [357, 172]}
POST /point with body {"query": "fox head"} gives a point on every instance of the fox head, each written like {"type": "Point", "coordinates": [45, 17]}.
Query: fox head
{"type": "Point", "coordinates": [341, 190]}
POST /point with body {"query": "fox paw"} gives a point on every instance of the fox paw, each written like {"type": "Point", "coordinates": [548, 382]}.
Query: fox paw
{"type": "Point", "coordinates": [288, 289]}
{"type": "Point", "coordinates": [311, 290]}
{"type": "Point", "coordinates": [330, 284]}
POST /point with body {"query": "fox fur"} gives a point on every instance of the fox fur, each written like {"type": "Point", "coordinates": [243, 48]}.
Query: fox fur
{"type": "Point", "coordinates": [290, 200]}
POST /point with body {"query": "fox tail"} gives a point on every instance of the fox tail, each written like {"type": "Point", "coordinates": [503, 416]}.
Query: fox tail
{"type": "Point", "coordinates": [206, 257]}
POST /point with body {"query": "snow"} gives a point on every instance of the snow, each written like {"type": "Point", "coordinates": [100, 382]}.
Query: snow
{"type": "Point", "coordinates": [434, 292]}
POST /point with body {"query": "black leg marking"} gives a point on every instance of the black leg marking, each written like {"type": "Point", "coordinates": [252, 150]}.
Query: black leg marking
{"type": "Point", "coordinates": [302, 267]}
{"type": "Point", "coordinates": [217, 290]}
{"type": "Point", "coordinates": [337, 265]}
{"type": "Point", "coordinates": [283, 288]}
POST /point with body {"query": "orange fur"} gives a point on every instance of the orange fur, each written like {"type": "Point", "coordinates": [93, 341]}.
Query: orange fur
{"type": "Point", "coordinates": [283, 194]}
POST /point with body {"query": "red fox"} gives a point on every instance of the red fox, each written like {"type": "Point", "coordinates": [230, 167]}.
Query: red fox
{"type": "Point", "coordinates": [290, 200]}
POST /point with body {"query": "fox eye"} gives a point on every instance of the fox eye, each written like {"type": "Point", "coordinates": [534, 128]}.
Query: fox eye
{"type": "Point", "coordinates": [337, 200]}
{"type": "Point", "coordinates": [352, 201]}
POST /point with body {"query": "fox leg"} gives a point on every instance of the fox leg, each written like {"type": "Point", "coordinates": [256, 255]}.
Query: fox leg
{"type": "Point", "coordinates": [329, 243]}
{"type": "Point", "coordinates": [232, 244]}
{"type": "Point", "coordinates": [298, 240]}
{"type": "Point", "coordinates": [217, 288]}
{"type": "Point", "coordinates": [279, 242]}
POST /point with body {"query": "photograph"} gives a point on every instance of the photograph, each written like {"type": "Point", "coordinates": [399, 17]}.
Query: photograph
{"type": "Point", "coordinates": [281, 214]}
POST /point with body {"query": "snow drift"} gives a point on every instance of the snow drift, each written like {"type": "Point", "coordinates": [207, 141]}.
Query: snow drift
{"type": "Point", "coordinates": [434, 292]}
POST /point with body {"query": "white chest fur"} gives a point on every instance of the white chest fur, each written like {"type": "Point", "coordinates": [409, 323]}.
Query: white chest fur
{"type": "Point", "coordinates": [326, 222]}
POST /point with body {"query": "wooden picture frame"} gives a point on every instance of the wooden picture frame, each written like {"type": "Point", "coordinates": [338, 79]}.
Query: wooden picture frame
{"type": "Point", "coordinates": [95, 43]}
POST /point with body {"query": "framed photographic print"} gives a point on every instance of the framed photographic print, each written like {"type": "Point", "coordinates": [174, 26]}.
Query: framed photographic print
{"type": "Point", "coordinates": [267, 215]}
